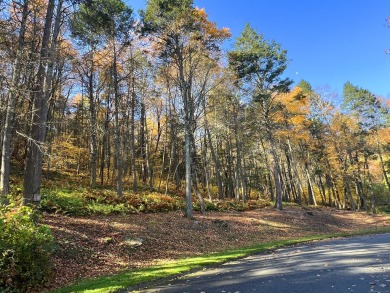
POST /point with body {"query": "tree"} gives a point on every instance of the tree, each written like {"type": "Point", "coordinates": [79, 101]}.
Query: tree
{"type": "Point", "coordinates": [370, 116]}
{"type": "Point", "coordinates": [259, 65]}
{"type": "Point", "coordinates": [185, 38]}
{"type": "Point", "coordinates": [41, 94]}
{"type": "Point", "coordinates": [94, 23]}
{"type": "Point", "coordinates": [11, 104]}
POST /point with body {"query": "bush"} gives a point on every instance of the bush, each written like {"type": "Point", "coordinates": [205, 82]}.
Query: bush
{"type": "Point", "coordinates": [25, 250]}
{"type": "Point", "coordinates": [64, 201]}
{"type": "Point", "coordinates": [107, 209]}
{"type": "Point", "coordinates": [155, 202]}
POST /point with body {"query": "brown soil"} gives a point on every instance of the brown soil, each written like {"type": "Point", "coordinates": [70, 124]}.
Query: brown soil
{"type": "Point", "coordinates": [93, 246]}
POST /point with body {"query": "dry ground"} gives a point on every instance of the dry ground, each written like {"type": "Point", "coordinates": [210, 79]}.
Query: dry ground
{"type": "Point", "coordinates": [92, 246]}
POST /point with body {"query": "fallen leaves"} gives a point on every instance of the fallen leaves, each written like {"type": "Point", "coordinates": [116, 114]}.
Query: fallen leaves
{"type": "Point", "coordinates": [99, 245]}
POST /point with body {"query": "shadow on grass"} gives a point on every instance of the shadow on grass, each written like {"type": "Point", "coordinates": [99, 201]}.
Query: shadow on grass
{"type": "Point", "coordinates": [121, 281]}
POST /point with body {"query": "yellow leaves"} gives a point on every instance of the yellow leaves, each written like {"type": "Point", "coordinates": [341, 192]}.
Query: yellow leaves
{"type": "Point", "coordinates": [103, 58]}
{"type": "Point", "coordinates": [298, 120]}
{"type": "Point", "coordinates": [342, 124]}
{"type": "Point", "coordinates": [77, 100]}
{"type": "Point", "coordinates": [292, 114]}
{"type": "Point", "coordinates": [66, 153]}
{"type": "Point", "coordinates": [384, 136]}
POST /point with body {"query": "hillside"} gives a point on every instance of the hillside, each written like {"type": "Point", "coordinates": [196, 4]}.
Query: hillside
{"type": "Point", "coordinates": [100, 245]}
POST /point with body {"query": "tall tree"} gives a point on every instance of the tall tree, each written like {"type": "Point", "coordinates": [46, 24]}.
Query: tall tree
{"type": "Point", "coordinates": [371, 116]}
{"type": "Point", "coordinates": [11, 104]}
{"type": "Point", "coordinates": [185, 38]}
{"type": "Point", "coordinates": [97, 22]}
{"type": "Point", "coordinates": [35, 145]}
{"type": "Point", "coordinates": [259, 65]}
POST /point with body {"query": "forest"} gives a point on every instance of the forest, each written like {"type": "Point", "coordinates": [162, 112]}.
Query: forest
{"type": "Point", "coordinates": [151, 113]}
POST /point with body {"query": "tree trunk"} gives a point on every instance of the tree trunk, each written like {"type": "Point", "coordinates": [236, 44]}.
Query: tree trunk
{"type": "Point", "coordinates": [118, 154]}
{"type": "Point", "coordinates": [172, 156]}
{"type": "Point", "coordinates": [147, 157]}
{"type": "Point", "coordinates": [312, 197]}
{"type": "Point", "coordinates": [93, 121]}
{"type": "Point", "coordinates": [195, 177]}
{"type": "Point", "coordinates": [132, 137]}
{"type": "Point", "coordinates": [216, 163]}
{"type": "Point", "coordinates": [321, 188]}
{"type": "Point", "coordinates": [268, 176]}
{"type": "Point", "coordinates": [348, 193]}
{"type": "Point", "coordinates": [205, 167]}
{"type": "Point", "coordinates": [105, 145]}
{"type": "Point", "coordinates": [11, 104]}
{"type": "Point", "coordinates": [188, 134]}
{"type": "Point", "coordinates": [142, 147]}
{"type": "Point", "coordinates": [301, 192]}
{"type": "Point", "coordinates": [34, 155]}
{"type": "Point", "coordinates": [239, 171]}
{"type": "Point", "coordinates": [278, 184]}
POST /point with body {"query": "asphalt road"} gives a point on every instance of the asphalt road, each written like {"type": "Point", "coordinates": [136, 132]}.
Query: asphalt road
{"type": "Point", "coordinates": [358, 264]}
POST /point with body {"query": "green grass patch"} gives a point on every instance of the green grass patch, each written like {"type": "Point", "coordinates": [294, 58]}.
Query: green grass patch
{"type": "Point", "coordinates": [384, 210]}
{"type": "Point", "coordinates": [168, 269]}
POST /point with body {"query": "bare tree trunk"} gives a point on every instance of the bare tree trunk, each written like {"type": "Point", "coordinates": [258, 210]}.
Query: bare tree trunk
{"type": "Point", "coordinates": [195, 177]}
{"type": "Point", "coordinates": [164, 156]}
{"type": "Point", "coordinates": [278, 184]}
{"type": "Point", "coordinates": [118, 153]}
{"type": "Point", "coordinates": [105, 145]}
{"type": "Point", "coordinates": [34, 156]}
{"type": "Point", "coordinates": [321, 188]}
{"type": "Point", "coordinates": [269, 179]}
{"type": "Point", "coordinates": [50, 65]}
{"type": "Point", "coordinates": [301, 192]}
{"type": "Point", "coordinates": [239, 170]}
{"type": "Point", "coordinates": [188, 134]}
{"type": "Point", "coordinates": [348, 193]}
{"type": "Point", "coordinates": [216, 163]}
{"type": "Point", "coordinates": [205, 165]}
{"type": "Point", "coordinates": [372, 194]}
{"type": "Point", "coordinates": [11, 104]}
{"type": "Point", "coordinates": [142, 147]}
{"type": "Point", "coordinates": [172, 156]}
{"type": "Point", "coordinates": [312, 196]}
{"type": "Point", "coordinates": [132, 137]}
{"type": "Point", "coordinates": [189, 108]}
{"type": "Point", "coordinates": [147, 157]}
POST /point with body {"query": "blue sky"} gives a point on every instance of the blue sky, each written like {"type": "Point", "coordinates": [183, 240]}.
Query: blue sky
{"type": "Point", "coordinates": [329, 42]}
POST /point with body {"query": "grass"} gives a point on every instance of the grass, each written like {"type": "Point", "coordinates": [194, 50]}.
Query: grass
{"type": "Point", "coordinates": [164, 270]}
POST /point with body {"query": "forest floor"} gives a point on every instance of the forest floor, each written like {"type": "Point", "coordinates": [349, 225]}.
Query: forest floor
{"type": "Point", "coordinates": [101, 245]}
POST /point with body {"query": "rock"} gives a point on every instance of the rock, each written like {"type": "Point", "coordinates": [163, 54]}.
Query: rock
{"type": "Point", "coordinates": [133, 242]}
{"type": "Point", "coordinates": [107, 240]}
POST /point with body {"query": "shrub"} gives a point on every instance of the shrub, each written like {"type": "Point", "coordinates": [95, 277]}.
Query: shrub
{"type": "Point", "coordinates": [65, 201]}
{"type": "Point", "coordinates": [155, 202]}
{"type": "Point", "coordinates": [107, 209]}
{"type": "Point", "coordinates": [25, 250]}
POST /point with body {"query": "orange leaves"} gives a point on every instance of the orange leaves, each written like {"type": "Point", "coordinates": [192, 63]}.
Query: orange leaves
{"type": "Point", "coordinates": [292, 114]}
{"type": "Point", "coordinates": [103, 58]}
{"type": "Point", "coordinates": [343, 124]}
{"type": "Point", "coordinates": [384, 136]}
{"type": "Point", "coordinates": [209, 28]}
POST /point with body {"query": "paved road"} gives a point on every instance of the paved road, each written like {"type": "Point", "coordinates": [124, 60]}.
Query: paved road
{"type": "Point", "coordinates": [359, 264]}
